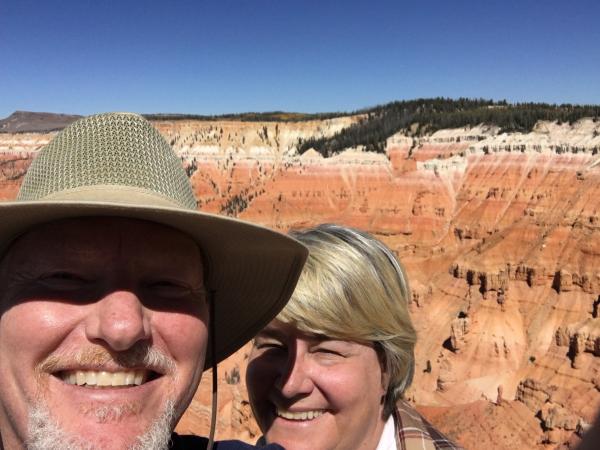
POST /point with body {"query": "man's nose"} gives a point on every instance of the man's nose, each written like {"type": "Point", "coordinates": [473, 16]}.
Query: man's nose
{"type": "Point", "coordinates": [297, 379]}
{"type": "Point", "coordinates": [120, 320]}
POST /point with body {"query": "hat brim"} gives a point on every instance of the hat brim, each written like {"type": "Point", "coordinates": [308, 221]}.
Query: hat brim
{"type": "Point", "coordinates": [253, 270]}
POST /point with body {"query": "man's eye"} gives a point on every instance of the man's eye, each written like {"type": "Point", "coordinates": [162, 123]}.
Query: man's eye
{"type": "Point", "coordinates": [64, 280]}
{"type": "Point", "coordinates": [167, 286]}
{"type": "Point", "coordinates": [61, 276]}
{"type": "Point", "coordinates": [170, 289]}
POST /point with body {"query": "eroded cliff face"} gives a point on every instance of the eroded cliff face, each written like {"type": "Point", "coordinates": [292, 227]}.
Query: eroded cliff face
{"type": "Point", "coordinates": [500, 235]}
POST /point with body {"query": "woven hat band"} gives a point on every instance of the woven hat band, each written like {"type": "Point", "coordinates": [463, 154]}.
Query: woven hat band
{"type": "Point", "coordinates": [120, 150]}
{"type": "Point", "coordinates": [125, 195]}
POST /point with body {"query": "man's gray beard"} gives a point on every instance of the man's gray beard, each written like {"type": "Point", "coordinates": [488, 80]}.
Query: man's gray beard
{"type": "Point", "coordinates": [46, 434]}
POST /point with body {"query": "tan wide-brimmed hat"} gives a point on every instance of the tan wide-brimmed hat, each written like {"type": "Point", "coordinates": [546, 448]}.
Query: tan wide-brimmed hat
{"type": "Point", "coordinates": [118, 165]}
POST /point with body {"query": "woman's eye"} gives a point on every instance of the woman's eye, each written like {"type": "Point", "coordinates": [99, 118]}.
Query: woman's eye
{"type": "Point", "coordinates": [330, 348]}
{"type": "Point", "coordinates": [268, 345]}
{"type": "Point", "coordinates": [328, 351]}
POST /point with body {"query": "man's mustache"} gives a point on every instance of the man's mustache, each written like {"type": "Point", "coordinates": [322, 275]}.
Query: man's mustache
{"type": "Point", "coordinates": [97, 356]}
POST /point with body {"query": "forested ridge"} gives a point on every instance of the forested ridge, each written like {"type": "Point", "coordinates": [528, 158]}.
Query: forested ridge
{"type": "Point", "coordinates": [423, 116]}
{"type": "Point", "coordinates": [271, 116]}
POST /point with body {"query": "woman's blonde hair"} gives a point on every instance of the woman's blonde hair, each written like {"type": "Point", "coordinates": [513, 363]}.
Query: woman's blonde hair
{"type": "Point", "coordinates": [353, 288]}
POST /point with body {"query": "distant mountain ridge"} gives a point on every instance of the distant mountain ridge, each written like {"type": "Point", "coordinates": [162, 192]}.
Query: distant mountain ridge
{"type": "Point", "coordinates": [43, 122]}
{"type": "Point", "coordinates": [376, 124]}
{"type": "Point", "coordinates": [36, 122]}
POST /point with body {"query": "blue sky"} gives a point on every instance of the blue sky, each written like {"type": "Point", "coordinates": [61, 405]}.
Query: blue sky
{"type": "Point", "coordinates": [227, 56]}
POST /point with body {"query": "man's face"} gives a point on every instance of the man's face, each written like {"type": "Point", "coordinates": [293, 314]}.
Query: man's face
{"type": "Point", "coordinates": [103, 325]}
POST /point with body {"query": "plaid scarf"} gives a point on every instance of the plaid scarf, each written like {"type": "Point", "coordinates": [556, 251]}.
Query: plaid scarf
{"type": "Point", "coordinates": [413, 432]}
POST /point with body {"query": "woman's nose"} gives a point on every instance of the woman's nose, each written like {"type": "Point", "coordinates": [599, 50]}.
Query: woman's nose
{"type": "Point", "coordinates": [120, 320]}
{"type": "Point", "coordinates": [297, 379]}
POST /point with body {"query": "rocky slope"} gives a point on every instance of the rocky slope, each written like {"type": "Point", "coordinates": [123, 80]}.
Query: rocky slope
{"type": "Point", "coordinates": [500, 234]}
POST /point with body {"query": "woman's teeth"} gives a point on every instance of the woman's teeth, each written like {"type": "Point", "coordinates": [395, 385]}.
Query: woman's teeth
{"type": "Point", "coordinates": [103, 378]}
{"type": "Point", "coordinates": [304, 415]}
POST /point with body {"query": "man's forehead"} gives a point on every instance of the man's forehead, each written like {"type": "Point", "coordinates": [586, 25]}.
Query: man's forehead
{"type": "Point", "coordinates": [91, 237]}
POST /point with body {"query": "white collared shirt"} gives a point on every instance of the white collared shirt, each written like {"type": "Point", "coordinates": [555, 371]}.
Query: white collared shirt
{"type": "Point", "coordinates": [387, 441]}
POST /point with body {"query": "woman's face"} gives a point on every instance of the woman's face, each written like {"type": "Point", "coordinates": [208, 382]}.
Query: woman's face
{"type": "Point", "coordinates": [311, 392]}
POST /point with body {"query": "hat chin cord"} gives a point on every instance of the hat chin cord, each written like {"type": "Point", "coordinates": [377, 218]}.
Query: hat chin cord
{"type": "Point", "coordinates": [211, 339]}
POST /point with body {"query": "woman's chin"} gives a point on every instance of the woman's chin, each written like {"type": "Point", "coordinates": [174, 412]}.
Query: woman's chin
{"type": "Point", "coordinates": [312, 434]}
{"type": "Point", "coordinates": [290, 443]}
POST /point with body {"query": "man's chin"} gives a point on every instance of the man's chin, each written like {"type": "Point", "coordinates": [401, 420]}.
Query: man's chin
{"type": "Point", "coordinates": [99, 428]}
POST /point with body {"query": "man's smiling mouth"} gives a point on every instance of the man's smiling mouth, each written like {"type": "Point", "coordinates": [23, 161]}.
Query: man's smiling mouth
{"type": "Point", "coordinates": [102, 378]}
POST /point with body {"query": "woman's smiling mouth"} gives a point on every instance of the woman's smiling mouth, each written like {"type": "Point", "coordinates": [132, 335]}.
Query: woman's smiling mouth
{"type": "Point", "coordinates": [299, 415]}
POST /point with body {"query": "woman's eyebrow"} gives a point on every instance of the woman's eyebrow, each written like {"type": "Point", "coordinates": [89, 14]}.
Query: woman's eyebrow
{"type": "Point", "coordinates": [319, 338]}
{"type": "Point", "coordinates": [270, 333]}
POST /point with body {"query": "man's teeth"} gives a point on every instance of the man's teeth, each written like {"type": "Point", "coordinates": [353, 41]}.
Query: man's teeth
{"type": "Point", "coordinates": [103, 378]}
{"type": "Point", "coordinates": [304, 415]}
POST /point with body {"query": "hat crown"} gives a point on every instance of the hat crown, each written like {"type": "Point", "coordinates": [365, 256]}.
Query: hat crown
{"type": "Point", "coordinates": [113, 149]}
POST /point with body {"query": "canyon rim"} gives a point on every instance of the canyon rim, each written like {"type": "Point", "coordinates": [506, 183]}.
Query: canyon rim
{"type": "Point", "coordinates": [500, 234]}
